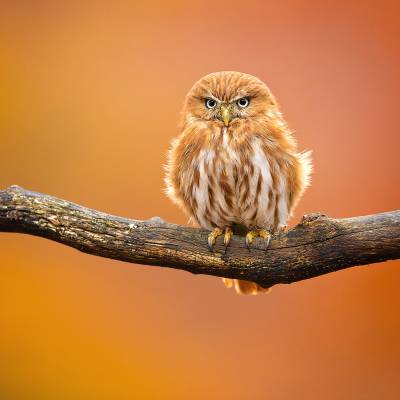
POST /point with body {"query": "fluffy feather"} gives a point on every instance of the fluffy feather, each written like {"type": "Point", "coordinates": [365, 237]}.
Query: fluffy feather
{"type": "Point", "coordinates": [248, 173]}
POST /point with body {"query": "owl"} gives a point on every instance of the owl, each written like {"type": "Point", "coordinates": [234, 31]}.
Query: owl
{"type": "Point", "coordinates": [235, 163]}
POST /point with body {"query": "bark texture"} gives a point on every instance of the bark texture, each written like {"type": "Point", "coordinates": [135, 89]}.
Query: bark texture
{"type": "Point", "coordinates": [316, 246]}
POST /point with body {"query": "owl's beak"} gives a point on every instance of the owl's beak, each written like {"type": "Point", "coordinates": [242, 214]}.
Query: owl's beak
{"type": "Point", "coordinates": [226, 114]}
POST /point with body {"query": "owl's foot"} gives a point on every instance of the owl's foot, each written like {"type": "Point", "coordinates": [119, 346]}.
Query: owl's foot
{"type": "Point", "coordinates": [262, 233]}
{"type": "Point", "coordinates": [212, 237]}
{"type": "Point", "coordinates": [227, 237]}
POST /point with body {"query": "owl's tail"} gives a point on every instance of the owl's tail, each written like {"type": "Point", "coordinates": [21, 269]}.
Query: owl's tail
{"type": "Point", "coordinates": [245, 287]}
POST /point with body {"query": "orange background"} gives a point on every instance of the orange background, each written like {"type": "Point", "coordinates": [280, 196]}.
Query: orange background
{"type": "Point", "coordinates": [89, 100]}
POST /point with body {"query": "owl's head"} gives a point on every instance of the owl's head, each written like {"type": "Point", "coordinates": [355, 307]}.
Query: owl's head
{"type": "Point", "coordinates": [228, 97]}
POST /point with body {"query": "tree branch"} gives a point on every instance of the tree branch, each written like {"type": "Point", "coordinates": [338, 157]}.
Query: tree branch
{"type": "Point", "coordinates": [318, 245]}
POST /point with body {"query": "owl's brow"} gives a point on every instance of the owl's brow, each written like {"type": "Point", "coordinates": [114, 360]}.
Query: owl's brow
{"type": "Point", "coordinates": [209, 96]}
{"type": "Point", "coordinates": [240, 97]}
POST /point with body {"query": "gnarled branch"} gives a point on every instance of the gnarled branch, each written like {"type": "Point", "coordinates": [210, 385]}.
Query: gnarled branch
{"type": "Point", "coordinates": [318, 245]}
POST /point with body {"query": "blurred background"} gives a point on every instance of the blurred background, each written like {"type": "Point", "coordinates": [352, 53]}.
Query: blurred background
{"type": "Point", "coordinates": [89, 101]}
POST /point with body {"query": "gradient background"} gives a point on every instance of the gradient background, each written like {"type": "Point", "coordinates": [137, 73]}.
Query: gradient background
{"type": "Point", "coordinates": [89, 100]}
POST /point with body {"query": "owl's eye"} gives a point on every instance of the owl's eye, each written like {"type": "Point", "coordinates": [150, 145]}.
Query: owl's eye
{"type": "Point", "coordinates": [243, 102]}
{"type": "Point", "coordinates": [211, 103]}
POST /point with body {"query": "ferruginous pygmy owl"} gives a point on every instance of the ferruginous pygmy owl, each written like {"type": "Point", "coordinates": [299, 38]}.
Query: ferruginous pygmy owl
{"type": "Point", "coordinates": [235, 162]}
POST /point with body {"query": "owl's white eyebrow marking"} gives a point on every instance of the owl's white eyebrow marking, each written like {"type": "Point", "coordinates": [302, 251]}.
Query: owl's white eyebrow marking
{"type": "Point", "coordinates": [210, 96]}
{"type": "Point", "coordinates": [238, 97]}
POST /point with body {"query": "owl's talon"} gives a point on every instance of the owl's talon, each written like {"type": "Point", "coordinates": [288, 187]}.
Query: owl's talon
{"type": "Point", "coordinates": [212, 237]}
{"type": "Point", "coordinates": [262, 233]}
{"type": "Point", "coordinates": [249, 239]}
{"type": "Point", "coordinates": [227, 237]}
{"type": "Point", "coordinates": [211, 242]}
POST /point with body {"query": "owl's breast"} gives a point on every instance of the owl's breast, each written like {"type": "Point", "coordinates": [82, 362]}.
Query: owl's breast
{"type": "Point", "coordinates": [236, 183]}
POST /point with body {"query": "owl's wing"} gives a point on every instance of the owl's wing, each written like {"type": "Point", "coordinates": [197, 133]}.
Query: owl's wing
{"type": "Point", "coordinates": [299, 178]}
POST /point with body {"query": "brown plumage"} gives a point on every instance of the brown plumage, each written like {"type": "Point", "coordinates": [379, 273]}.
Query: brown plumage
{"type": "Point", "coordinates": [235, 161]}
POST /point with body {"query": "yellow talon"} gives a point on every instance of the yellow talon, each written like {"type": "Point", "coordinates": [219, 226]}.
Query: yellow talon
{"type": "Point", "coordinates": [262, 233]}
{"type": "Point", "coordinates": [250, 237]}
{"type": "Point", "coordinates": [227, 236]}
{"type": "Point", "coordinates": [212, 237]}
